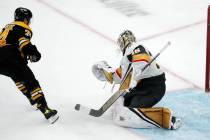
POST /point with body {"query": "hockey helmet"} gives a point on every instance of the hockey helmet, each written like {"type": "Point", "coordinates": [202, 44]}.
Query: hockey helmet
{"type": "Point", "coordinates": [125, 40]}
{"type": "Point", "coordinates": [22, 13]}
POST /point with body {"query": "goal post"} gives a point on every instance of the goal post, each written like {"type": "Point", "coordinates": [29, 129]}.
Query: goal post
{"type": "Point", "coordinates": [207, 83]}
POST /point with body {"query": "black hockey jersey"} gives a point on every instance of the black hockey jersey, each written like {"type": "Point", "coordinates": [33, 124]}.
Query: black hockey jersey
{"type": "Point", "coordinates": [14, 38]}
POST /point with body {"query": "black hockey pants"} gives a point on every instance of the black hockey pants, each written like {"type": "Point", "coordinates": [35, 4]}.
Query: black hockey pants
{"type": "Point", "coordinates": [147, 93]}
{"type": "Point", "coordinates": [19, 71]}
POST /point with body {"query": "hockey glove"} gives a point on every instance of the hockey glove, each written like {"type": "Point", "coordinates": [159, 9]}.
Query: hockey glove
{"type": "Point", "coordinates": [102, 71]}
{"type": "Point", "coordinates": [35, 57]}
{"type": "Point", "coordinates": [98, 72]}
{"type": "Point", "coordinates": [32, 53]}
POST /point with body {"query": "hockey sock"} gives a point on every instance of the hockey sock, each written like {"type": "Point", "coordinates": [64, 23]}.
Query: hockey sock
{"type": "Point", "coordinates": [38, 96]}
{"type": "Point", "coordinates": [23, 89]}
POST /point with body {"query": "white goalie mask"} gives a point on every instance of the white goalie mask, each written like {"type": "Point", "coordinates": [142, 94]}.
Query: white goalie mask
{"type": "Point", "coordinates": [125, 40]}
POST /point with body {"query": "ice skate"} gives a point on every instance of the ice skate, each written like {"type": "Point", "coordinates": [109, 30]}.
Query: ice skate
{"type": "Point", "coordinates": [176, 123]}
{"type": "Point", "coordinates": [51, 115]}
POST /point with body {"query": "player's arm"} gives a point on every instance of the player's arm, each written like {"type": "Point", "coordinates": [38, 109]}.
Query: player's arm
{"type": "Point", "coordinates": [25, 46]}
{"type": "Point", "coordinates": [139, 58]}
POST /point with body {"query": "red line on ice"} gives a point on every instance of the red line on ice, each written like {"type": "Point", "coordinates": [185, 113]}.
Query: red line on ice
{"type": "Point", "coordinates": [75, 20]}
{"type": "Point", "coordinates": [172, 30]}
{"type": "Point", "coordinates": [113, 41]}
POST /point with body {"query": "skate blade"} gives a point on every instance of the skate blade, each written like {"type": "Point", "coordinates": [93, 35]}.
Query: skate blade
{"type": "Point", "coordinates": [53, 119]}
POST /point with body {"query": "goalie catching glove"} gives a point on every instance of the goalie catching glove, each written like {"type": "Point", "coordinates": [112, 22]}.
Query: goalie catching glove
{"type": "Point", "coordinates": [103, 71]}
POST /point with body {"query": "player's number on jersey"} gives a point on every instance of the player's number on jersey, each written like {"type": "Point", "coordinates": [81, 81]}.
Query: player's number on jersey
{"type": "Point", "coordinates": [4, 34]}
{"type": "Point", "coordinates": [28, 33]}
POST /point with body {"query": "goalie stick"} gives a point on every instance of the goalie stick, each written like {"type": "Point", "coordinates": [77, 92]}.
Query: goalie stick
{"type": "Point", "coordinates": [117, 94]}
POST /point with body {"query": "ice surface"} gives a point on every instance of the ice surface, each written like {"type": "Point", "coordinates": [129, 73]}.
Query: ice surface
{"type": "Point", "coordinates": [74, 34]}
{"type": "Point", "coordinates": [193, 108]}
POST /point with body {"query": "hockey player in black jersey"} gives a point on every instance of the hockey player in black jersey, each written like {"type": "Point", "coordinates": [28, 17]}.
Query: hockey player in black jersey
{"type": "Point", "coordinates": [16, 50]}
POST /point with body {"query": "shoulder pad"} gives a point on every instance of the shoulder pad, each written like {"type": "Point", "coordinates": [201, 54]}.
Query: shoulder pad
{"type": "Point", "coordinates": [22, 24]}
{"type": "Point", "coordinates": [140, 54]}
{"type": "Point", "coordinates": [139, 50]}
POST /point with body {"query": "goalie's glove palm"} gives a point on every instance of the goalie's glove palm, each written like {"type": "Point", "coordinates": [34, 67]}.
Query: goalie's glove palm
{"type": "Point", "coordinates": [97, 70]}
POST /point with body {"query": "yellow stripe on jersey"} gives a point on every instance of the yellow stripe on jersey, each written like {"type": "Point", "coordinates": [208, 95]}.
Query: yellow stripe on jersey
{"type": "Point", "coordinates": [22, 38]}
{"type": "Point", "coordinates": [23, 45]}
{"type": "Point", "coordinates": [37, 89]}
{"type": "Point", "coordinates": [36, 96]}
{"type": "Point", "coordinates": [140, 57]}
{"type": "Point", "coordinates": [22, 42]}
{"type": "Point", "coordinates": [22, 24]}
{"type": "Point", "coordinates": [21, 88]}
{"type": "Point", "coordinates": [18, 83]}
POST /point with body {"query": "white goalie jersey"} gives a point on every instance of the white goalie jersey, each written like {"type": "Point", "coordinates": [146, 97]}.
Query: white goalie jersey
{"type": "Point", "coordinates": [138, 57]}
{"type": "Point", "coordinates": [135, 56]}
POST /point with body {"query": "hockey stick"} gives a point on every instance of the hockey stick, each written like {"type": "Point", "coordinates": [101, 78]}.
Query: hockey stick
{"type": "Point", "coordinates": [117, 94]}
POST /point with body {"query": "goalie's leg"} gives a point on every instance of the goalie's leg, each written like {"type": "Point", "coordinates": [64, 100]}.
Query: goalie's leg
{"type": "Point", "coordinates": [123, 116]}
{"type": "Point", "coordinates": [157, 117]}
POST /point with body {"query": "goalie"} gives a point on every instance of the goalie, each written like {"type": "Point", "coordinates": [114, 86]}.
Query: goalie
{"type": "Point", "coordinates": [145, 88]}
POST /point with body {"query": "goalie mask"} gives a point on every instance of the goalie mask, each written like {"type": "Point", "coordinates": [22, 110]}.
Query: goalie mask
{"type": "Point", "coordinates": [125, 40]}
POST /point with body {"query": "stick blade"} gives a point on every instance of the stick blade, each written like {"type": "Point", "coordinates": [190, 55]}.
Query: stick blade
{"type": "Point", "coordinates": [86, 110]}
{"type": "Point", "coordinates": [96, 113]}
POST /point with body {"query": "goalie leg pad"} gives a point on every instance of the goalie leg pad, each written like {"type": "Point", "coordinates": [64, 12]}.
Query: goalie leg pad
{"type": "Point", "coordinates": [128, 117]}
{"type": "Point", "coordinates": [156, 117]}
{"type": "Point", "coordinates": [159, 115]}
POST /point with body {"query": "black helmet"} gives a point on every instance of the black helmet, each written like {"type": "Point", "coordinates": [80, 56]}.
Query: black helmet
{"type": "Point", "coordinates": [22, 13]}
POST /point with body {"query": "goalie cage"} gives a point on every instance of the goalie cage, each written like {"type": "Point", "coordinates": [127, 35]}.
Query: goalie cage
{"type": "Point", "coordinates": [207, 82]}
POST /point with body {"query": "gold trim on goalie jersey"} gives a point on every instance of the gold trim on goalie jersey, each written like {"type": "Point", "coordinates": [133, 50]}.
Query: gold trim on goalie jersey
{"type": "Point", "coordinates": [140, 57]}
{"type": "Point", "coordinates": [126, 82]}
